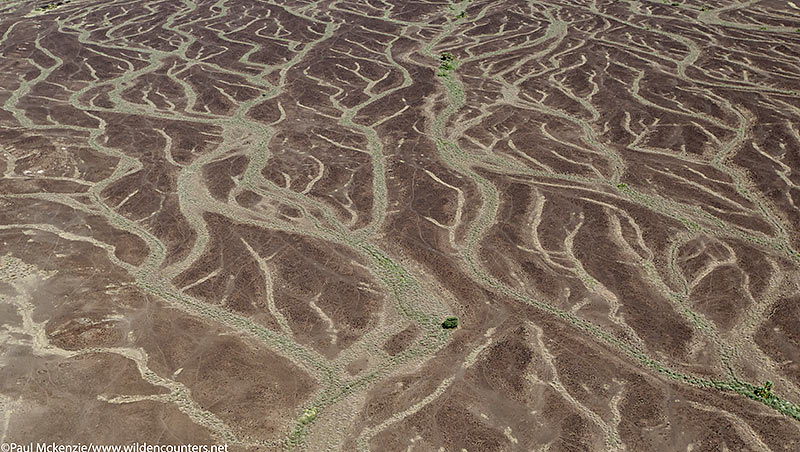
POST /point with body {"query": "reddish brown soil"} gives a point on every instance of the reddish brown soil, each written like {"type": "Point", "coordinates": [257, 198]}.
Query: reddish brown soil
{"type": "Point", "coordinates": [244, 222]}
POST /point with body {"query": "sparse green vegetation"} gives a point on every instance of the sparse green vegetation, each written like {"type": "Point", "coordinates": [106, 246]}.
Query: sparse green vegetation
{"type": "Point", "coordinates": [446, 64]}
{"type": "Point", "coordinates": [51, 6]}
{"type": "Point", "coordinates": [765, 392]}
{"type": "Point", "coordinates": [309, 415]}
{"type": "Point", "coordinates": [296, 437]}
{"type": "Point", "coordinates": [691, 225]}
{"type": "Point", "coordinates": [450, 323]}
{"type": "Point", "coordinates": [622, 186]}
{"type": "Point", "coordinates": [462, 14]}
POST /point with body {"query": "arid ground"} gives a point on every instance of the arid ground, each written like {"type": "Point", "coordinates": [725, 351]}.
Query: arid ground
{"type": "Point", "coordinates": [244, 221]}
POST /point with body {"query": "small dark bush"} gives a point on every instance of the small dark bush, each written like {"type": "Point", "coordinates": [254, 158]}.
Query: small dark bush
{"type": "Point", "coordinates": [450, 322]}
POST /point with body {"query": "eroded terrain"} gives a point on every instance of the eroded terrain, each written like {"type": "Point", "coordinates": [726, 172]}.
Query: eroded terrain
{"type": "Point", "coordinates": [243, 222]}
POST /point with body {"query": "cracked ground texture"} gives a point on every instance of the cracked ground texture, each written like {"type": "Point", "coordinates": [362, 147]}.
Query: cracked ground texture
{"type": "Point", "coordinates": [243, 222]}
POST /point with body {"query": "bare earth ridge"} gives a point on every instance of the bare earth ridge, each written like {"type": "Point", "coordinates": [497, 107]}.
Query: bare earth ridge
{"type": "Point", "coordinates": [244, 221]}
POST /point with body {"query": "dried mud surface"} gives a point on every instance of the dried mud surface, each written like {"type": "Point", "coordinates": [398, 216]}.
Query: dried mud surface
{"type": "Point", "coordinates": [243, 222]}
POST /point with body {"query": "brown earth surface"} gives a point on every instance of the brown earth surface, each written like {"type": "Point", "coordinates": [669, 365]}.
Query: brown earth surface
{"type": "Point", "coordinates": [243, 222]}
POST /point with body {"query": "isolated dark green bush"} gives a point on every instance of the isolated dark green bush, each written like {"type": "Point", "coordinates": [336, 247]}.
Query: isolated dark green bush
{"type": "Point", "coordinates": [450, 322]}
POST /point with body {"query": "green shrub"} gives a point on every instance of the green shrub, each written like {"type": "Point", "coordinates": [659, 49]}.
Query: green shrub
{"type": "Point", "coordinates": [309, 415]}
{"type": "Point", "coordinates": [450, 322]}
{"type": "Point", "coordinates": [765, 392]}
{"type": "Point", "coordinates": [52, 5]}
